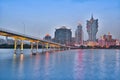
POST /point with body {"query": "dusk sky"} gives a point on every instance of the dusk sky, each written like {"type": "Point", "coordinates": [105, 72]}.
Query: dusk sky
{"type": "Point", "coordinates": [43, 16]}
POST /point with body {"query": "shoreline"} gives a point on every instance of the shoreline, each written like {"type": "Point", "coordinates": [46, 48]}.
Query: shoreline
{"type": "Point", "coordinates": [27, 46]}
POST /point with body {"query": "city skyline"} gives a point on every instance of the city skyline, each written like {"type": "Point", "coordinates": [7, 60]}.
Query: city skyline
{"type": "Point", "coordinates": [42, 17]}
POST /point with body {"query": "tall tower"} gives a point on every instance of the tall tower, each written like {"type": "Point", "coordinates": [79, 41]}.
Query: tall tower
{"type": "Point", "coordinates": [92, 28]}
{"type": "Point", "coordinates": [79, 35]}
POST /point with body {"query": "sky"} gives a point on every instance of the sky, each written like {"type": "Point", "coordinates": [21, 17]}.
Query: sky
{"type": "Point", "coordinates": [41, 17]}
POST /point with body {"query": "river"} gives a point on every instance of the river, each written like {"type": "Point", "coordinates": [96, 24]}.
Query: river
{"type": "Point", "coordinates": [87, 64]}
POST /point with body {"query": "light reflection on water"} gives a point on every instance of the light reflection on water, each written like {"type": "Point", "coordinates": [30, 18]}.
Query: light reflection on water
{"type": "Point", "coordinates": [64, 65]}
{"type": "Point", "coordinates": [78, 66]}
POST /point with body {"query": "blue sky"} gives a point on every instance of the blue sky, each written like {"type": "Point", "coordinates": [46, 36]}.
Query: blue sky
{"type": "Point", "coordinates": [43, 16]}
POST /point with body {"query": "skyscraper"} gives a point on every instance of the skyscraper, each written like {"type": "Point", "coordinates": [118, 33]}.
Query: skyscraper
{"type": "Point", "coordinates": [63, 35]}
{"type": "Point", "coordinates": [47, 37]}
{"type": "Point", "coordinates": [92, 28]}
{"type": "Point", "coordinates": [79, 35]}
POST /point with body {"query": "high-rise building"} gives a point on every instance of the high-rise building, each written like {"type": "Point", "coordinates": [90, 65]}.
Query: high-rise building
{"type": "Point", "coordinates": [47, 37]}
{"type": "Point", "coordinates": [92, 28]}
{"type": "Point", "coordinates": [73, 41]}
{"type": "Point", "coordinates": [79, 35]}
{"type": "Point", "coordinates": [63, 35]}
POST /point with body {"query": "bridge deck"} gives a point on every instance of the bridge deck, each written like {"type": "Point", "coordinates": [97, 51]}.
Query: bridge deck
{"type": "Point", "coordinates": [16, 35]}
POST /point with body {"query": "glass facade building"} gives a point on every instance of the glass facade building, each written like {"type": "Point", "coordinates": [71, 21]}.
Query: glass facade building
{"type": "Point", "coordinates": [63, 35]}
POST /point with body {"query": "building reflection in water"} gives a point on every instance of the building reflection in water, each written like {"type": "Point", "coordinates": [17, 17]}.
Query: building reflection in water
{"type": "Point", "coordinates": [90, 59]}
{"type": "Point", "coordinates": [92, 56]}
{"type": "Point", "coordinates": [79, 66]}
{"type": "Point", "coordinates": [117, 58]}
{"type": "Point", "coordinates": [37, 60]}
{"type": "Point", "coordinates": [21, 66]}
{"type": "Point", "coordinates": [14, 64]}
{"type": "Point", "coordinates": [14, 56]}
{"type": "Point", "coordinates": [36, 65]}
{"type": "Point", "coordinates": [102, 65]}
{"type": "Point", "coordinates": [117, 68]}
{"type": "Point", "coordinates": [47, 55]}
{"type": "Point", "coordinates": [21, 57]}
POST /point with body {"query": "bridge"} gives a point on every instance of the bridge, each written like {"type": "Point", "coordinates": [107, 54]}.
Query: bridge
{"type": "Point", "coordinates": [33, 40]}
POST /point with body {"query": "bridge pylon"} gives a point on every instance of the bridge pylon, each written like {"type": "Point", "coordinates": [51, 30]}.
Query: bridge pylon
{"type": "Point", "coordinates": [15, 45]}
{"type": "Point", "coordinates": [22, 44]}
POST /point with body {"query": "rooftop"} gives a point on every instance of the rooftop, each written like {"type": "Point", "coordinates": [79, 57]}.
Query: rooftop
{"type": "Point", "coordinates": [63, 27]}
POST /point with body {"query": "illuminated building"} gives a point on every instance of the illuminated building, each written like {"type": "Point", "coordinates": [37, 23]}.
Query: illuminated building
{"type": "Point", "coordinates": [101, 42]}
{"type": "Point", "coordinates": [117, 42]}
{"type": "Point", "coordinates": [92, 44]}
{"type": "Point", "coordinates": [92, 29]}
{"type": "Point", "coordinates": [79, 35]}
{"type": "Point", "coordinates": [47, 37]}
{"type": "Point", "coordinates": [107, 41]}
{"type": "Point", "coordinates": [63, 35]}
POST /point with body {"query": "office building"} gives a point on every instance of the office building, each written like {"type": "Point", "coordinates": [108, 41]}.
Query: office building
{"type": "Point", "coordinates": [79, 35]}
{"type": "Point", "coordinates": [63, 35]}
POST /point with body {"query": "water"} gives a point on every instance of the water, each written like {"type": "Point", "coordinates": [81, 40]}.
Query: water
{"type": "Point", "coordinates": [65, 65]}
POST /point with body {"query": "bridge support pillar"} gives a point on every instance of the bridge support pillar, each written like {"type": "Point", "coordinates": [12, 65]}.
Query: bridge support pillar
{"type": "Point", "coordinates": [50, 48]}
{"type": "Point", "coordinates": [32, 47]}
{"type": "Point", "coordinates": [22, 44]}
{"type": "Point", "coordinates": [37, 45]}
{"type": "Point", "coordinates": [47, 47]}
{"type": "Point", "coordinates": [15, 46]}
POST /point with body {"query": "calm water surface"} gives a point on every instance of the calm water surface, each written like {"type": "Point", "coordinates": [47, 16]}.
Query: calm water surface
{"type": "Point", "coordinates": [64, 65]}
